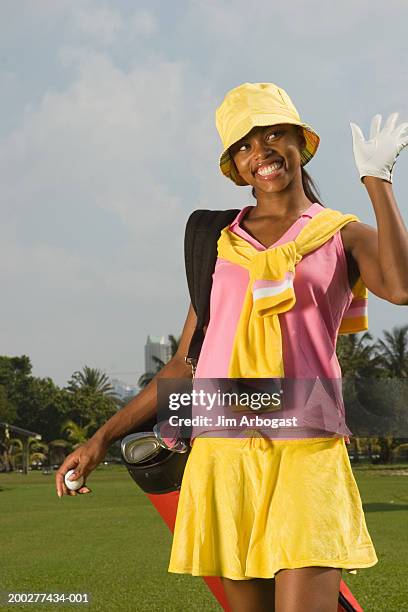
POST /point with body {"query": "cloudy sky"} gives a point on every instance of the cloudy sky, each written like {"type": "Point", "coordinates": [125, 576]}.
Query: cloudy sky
{"type": "Point", "coordinates": [108, 142]}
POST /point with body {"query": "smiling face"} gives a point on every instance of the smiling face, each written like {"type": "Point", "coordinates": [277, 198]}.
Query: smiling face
{"type": "Point", "coordinates": [268, 158]}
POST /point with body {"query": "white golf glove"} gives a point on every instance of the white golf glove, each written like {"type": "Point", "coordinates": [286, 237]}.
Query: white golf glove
{"type": "Point", "coordinates": [377, 156]}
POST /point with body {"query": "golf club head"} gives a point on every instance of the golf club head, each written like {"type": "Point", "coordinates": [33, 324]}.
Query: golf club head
{"type": "Point", "coordinates": [139, 447]}
{"type": "Point", "coordinates": [154, 468]}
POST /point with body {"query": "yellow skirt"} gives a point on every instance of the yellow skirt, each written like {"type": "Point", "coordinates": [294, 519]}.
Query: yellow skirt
{"type": "Point", "coordinates": [249, 507]}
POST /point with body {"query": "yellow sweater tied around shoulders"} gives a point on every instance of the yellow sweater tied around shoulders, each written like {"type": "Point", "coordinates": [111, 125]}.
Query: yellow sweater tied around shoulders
{"type": "Point", "coordinates": [257, 348]}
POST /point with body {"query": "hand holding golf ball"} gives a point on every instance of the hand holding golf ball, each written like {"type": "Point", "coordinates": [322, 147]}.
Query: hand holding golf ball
{"type": "Point", "coordinates": [73, 485]}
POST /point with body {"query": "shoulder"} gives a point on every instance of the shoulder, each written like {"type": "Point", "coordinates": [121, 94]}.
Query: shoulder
{"type": "Point", "coordinates": [355, 233]}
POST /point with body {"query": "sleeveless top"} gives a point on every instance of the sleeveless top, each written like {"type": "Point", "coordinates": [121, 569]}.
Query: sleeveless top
{"type": "Point", "coordinates": [309, 330]}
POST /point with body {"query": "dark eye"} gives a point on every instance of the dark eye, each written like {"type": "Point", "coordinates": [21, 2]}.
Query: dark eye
{"type": "Point", "coordinates": [274, 132]}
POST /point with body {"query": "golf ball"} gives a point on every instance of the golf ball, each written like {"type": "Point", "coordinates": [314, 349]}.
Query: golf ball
{"type": "Point", "coordinates": [73, 485]}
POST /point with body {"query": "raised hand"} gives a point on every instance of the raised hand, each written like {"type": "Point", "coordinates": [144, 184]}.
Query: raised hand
{"type": "Point", "coordinates": [377, 155]}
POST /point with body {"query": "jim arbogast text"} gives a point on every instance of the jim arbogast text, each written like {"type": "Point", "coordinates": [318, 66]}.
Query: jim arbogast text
{"type": "Point", "coordinates": [222, 421]}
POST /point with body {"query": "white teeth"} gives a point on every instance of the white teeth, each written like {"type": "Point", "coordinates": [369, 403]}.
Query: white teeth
{"type": "Point", "coordinates": [271, 168]}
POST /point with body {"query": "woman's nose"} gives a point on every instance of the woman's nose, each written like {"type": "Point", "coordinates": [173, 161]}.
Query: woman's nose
{"type": "Point", "coordinates": [260, 151]}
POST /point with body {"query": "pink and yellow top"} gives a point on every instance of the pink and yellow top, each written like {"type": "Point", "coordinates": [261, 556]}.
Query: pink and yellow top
{"type": "Point", "coordinates": [325, 306]}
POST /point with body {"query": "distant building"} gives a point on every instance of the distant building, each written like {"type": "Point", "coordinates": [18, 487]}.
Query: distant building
{"type": "Point", "coordinates": [123, 390]}
{"type": "Point", "coordinates": [158, 347]}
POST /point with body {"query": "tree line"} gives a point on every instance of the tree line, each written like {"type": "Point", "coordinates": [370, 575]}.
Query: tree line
{"type": "Point", "coordinates": [64, 416]}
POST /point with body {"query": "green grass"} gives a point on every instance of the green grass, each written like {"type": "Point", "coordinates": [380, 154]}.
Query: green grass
{"type": "Point", "coordinates": [111, 543]}
{"type": "Point", "coordinates": [383, 587]}
{"type": "Point", "coordinates": [114, 545]}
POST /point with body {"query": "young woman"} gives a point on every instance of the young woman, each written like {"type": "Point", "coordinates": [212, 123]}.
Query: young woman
{"type": "Point", "coordinates": [277, 519]}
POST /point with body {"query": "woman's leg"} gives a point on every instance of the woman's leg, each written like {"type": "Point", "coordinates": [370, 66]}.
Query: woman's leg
{"type": "Point", "coordinates": [307, 588]}
{"type": "Point", "coordinates": [255, 595]}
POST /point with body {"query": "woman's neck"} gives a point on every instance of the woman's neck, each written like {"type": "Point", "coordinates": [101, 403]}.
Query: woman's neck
{"type": "Point", "coordinates": [279, 209]}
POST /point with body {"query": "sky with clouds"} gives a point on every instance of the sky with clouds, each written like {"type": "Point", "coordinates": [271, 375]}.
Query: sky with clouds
{"type": "Point", "coordinates": [108, 142]}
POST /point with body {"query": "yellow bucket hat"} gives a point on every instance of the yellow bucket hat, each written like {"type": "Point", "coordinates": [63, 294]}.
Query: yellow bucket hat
{"type": "Point", "coordinates": [257, 104]}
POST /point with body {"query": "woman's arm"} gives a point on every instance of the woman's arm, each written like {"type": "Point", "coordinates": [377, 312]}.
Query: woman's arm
{"type": "Point", "coordinates": [86, 457]}
{"type": "Point", "coordinates": [381, 255]}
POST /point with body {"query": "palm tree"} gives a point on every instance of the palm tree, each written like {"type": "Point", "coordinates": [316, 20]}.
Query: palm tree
{"type": "Point", "coordinates": [5, 449]}
{"type": "Point", "coordinates": [76, 434]}
{"type": "Point", "coordinates": [91, 379]}
{"type": "Point", "coordinates": [147, 377]}
{"type": "Point", "coordinates": [393, 351]}
{"type": "Point", "coordinates": [32, 451]}
{"type": "Point", "coordinates": [38, 452]}
{"type": "Point", "coordinates": [400, 449]}
{"type": "Point", "coordinates": [174, 344]}
{"type": "Point", "coordinates": [357, 355]}
{"type": "Point", "coordinates": [15, 449]}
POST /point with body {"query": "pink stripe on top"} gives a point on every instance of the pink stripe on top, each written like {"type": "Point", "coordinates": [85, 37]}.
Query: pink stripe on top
{"type": "Point", "coordinates": [270, 283]}
{"type": "Point", "coordinates": [263, 288]}
{"type": "Point", "coordinates": [309, 330]}
{"type": "Point", "coordinates": [356, 312]}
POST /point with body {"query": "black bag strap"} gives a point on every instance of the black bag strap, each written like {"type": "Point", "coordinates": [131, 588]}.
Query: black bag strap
{"type": "Point", "coordinates": [203, 229]}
